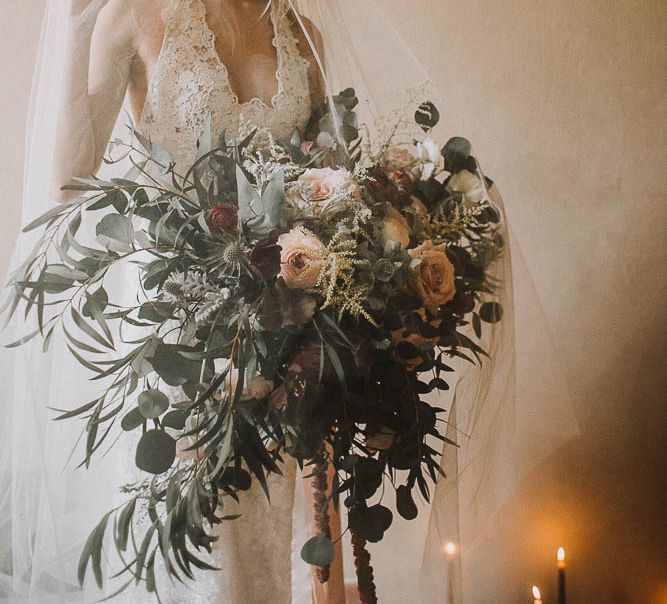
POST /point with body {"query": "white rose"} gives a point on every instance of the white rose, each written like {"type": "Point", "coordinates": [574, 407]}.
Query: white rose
{"type": "Point", "coordinates": [397, 159]}
{"type": "Point", "coordinates": [428, 154]}
{"type": "Point", "coordinates": [469, 185]}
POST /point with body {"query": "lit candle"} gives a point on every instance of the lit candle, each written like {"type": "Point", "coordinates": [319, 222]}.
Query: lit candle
{"type": "Point", "coordinates": [537, 595]}
{"type": "Point", "coordinates": [561, 575]}
{"type": "Point", "coordinates": [450, 553]}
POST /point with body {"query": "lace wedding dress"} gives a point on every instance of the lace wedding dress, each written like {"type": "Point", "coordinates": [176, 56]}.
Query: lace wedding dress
{"type": "Point", "coordinates": [189, 86]}
{"type": "Point", "coordinates": [191, 83]}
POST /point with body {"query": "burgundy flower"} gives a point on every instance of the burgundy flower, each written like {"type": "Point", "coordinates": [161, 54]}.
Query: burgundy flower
{"type": "Point", "coordinates": [222, 218]}
{"type": "Point", "coordinates": [278, 398]}
{"type": "Point", "coordinates": [265, 259]}
{"type": "Point", "coordinates": [401, 179]}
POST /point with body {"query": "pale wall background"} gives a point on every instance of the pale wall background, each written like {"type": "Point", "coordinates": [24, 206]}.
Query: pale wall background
{"type": "Point", "coordinates": [565, 102]}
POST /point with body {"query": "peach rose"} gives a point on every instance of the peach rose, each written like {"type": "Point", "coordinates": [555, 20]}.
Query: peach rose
{"type": "Point", "coordinates": [418, 207]}
{"type": "Point", "coordinates": [433, 278]}
{"type": "Point", "coordinates": [301, 258]}
{"type": "Point", "coordinates": [395, 227]}
{"type": "Point", "coordinates": [260, 387]}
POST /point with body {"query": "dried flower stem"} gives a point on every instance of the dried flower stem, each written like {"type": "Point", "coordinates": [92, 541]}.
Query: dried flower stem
{"type": "Point", "coordinates": [362, 562]}
{"type": "Point", "coordinates": [321, 508]}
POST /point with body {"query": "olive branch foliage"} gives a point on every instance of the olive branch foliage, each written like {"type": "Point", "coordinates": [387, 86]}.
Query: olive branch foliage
{"type": "Point", "coordinates": [179, 378]}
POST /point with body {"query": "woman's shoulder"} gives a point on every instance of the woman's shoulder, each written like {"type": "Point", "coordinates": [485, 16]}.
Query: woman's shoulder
{"type": "Point", "coordinates": [306, 32]}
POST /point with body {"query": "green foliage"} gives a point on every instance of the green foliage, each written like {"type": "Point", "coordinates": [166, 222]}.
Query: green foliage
{"type": "Point", "coordinates": [318, 551]}
{"type": "Point", "coordinates": [156, 452]}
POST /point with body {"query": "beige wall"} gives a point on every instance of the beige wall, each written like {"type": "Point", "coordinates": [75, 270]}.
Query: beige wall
{"type": "Point", "coordinates": [565, 102]}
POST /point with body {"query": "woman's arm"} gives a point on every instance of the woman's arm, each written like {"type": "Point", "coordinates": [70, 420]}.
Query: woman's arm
{"type": "Point", "coordinates": [99, 54]}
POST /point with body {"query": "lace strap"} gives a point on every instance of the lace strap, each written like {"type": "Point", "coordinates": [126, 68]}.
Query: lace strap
{"type": "Point", "coordinates": [186, 27]}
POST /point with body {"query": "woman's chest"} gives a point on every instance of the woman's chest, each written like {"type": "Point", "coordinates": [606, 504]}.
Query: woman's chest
{"type": "Point", "coordinates": [240, 48]}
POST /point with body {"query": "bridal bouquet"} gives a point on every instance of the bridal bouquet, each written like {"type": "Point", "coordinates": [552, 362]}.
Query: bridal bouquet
{"type": "Point", "coordinates": [285, 303]}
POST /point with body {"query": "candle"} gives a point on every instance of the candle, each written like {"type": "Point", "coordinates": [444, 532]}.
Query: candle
{"type": "Point", "coordinates": [450, 553]}
{"type": "Point", "coordinates": [537, 595]}
{"type": "Point", "coordinates": [561, 575]}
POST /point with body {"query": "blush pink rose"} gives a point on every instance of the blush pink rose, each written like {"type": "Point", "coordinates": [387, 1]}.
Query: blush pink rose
{"type": "Point", "coordinates": [301, 257]}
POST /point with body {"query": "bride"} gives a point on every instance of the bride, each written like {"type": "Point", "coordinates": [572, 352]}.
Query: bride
{"type": "Point", "coordinates": [178, 65]}
{"type": "Point", "coordinates": [178, 69]}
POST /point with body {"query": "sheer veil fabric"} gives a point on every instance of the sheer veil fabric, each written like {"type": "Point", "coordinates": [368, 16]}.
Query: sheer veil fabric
{"type": "Point", "coordinates": [48, 507]}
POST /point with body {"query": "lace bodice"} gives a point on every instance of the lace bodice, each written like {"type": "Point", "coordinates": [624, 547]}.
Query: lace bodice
{"type": "Point", "coordinates": [190, 81]}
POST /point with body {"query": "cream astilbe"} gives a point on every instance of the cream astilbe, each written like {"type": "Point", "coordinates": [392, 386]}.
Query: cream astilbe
{"type": "Point", "coordinates": [443, 226]}
{"type": "Point", "coordinates": [336, 281]}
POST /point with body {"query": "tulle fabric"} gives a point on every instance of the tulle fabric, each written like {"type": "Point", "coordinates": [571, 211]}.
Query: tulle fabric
{"type": "Point", "coordinates": [47, 506]}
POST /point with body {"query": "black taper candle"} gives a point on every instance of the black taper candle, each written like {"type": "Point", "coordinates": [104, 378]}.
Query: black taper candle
{"type": "Point", "coordinates": [561, 576]}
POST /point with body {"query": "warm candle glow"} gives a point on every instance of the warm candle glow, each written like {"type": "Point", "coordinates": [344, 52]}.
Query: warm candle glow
{"type": "Point", "coordinates": [561, 557]}
{"type": "Point", "coordinates": [450, 549]}
{"type": "Point", "coordinates": [536, 592]}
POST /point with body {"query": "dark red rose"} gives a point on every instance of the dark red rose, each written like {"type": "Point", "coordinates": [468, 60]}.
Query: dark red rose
{"type": "Point", "coordinates": [278, 398]}
{"type": "Point", "coordinates": [222, 218]}
{"type": "Point", "coordinates": [265, 259]}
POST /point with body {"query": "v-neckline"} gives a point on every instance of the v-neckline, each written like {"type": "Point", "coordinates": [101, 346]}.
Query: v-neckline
{"type": "Point", "coordinates": [221, 64]}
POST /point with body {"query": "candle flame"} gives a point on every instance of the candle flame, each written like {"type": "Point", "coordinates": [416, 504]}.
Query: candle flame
{"type": "Point", "coordinates": [536, 592]}
{"type": "Point", "coordinates": [450, 549]}
{"type": "Point", "coordinates": [561, 554]}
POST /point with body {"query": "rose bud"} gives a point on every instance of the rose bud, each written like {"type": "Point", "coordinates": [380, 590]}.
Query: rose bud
{"type": "Point", "coordinates": [222, 218]}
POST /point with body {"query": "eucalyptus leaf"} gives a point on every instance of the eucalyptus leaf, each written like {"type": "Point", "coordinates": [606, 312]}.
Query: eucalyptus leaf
{"type": "Point", "coordinates": [50, 215]}
{"type": "Point", "coordinates": [318, 551]}
{"type": "Point", "coordinates": [259, 215]}
{"type": "Point", "coordinates": [156, 452]}
{"type": "Point", "coordinates": [132, 420]}
{"type": "Point", "coordinates": [427, 116]}
{"type": "Point", "coordinates": [405, 503]}
{"type": "Point", "coordinates": [456, 152]}
{"type": "Point", "coordinates": [153, 403]}
{"type": "Point", "coordinates": [115, 232]}
{"type": "Point", "coordinates": [491, 312]}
